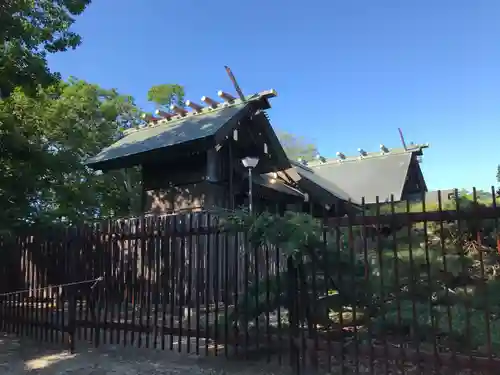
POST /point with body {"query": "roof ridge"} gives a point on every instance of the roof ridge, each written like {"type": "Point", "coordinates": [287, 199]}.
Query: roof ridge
{"type": "Point", "coordinates": [370, 155]}
{"type": "Point", "coordinates": [300, 165]}
{"type": "Point", "coordinates": [215, 107]}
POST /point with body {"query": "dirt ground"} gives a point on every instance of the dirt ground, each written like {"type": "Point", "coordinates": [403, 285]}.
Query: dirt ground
{"type": "Point", "coordinates": [20, 356]}
{"type": "Point", "coordinates": [24, 356]}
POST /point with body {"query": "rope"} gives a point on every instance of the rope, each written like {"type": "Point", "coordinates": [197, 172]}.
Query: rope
{"type": "Point", "coordinates": [94, 281]}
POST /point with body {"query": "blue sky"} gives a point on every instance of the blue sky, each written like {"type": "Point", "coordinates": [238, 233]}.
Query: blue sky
{"type": "Point", "coordinates": [348, 72]}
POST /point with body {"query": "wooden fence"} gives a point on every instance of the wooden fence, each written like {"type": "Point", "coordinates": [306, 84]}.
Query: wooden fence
{"type": "Point", "coordinates": [178, 282]}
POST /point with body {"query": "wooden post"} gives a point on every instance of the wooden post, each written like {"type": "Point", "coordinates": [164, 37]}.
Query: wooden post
{"type": "Point", "coordinates": [231, 174]}
{"type": "Point", "coordinates": [293, 314]}
{"type": "Point", "coordinates": [214, 192]}
{"type": "Point", "coordinates": [71, 292]}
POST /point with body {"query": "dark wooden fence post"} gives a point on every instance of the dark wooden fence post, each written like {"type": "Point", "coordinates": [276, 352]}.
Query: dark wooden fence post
{"type": "Point", "coordinates": [3, 282]}
{"type": "Point", "coordinates": [293, 313]}
{"type": "Point", "coordinates": [73, 238]}
{"type": "Point", "coordinates": [95, 289]}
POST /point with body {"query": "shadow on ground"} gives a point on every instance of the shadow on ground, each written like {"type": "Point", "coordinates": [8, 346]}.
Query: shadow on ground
{"type": "Point", "coordinates": [25, 356]}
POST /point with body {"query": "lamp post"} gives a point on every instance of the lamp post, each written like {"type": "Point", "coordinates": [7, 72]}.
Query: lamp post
{"type": "Point", "coordinates": [250, 163]}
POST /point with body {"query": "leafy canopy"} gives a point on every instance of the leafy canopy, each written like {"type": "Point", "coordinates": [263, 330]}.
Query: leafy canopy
{"type": "Point", "coordinates": [44, 141]}
{"type": "Point", "coordinates": [166, 95]}
{"type": "Point", "coordinates": [498, 179]}
{"type": "Point", "coordinates": [297, 147]}
{"type": "Point", "coordinates": [29, 29]}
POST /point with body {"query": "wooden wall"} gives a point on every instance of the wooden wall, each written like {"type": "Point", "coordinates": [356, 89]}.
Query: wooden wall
{"type": "Point", "coordinates": [174, 199]}
{"type": "Point", "coordinates": [173, 186]}
{"type": "Point", "coordinates": [414, 185]}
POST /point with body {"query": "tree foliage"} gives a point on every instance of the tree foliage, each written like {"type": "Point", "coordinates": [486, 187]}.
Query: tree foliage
{"type": "Point", "coordinates": [297, 147]}
{"type": "Point", "coordinates": [49, 127]}
{"type": "Point", "coordinates": [166, 95]}
{"type": "Point", "coordinates": [29, 29]}
{"type": "Point", "coordinates": [45, 139]}
{"type": "Point", "coordinates": [498, 180]}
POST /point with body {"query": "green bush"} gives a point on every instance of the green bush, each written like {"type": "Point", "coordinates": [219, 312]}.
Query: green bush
{"type": "Point", "coordinates": [456, 326]}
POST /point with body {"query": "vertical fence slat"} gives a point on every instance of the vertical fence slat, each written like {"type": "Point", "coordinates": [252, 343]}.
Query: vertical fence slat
{"type": "Point", "coordinates": [78, 259]}
{"type": "Point", "coordinates": [141, 296]}
{"type": "Point", "coordinates": [164, 278]}
{"type": "Point", "coordinates": [246, 272]}
{"type": "Point", "coordinates": [342, 242]}
{"type": "Point", "coordinates": [327, 276]}
{"type": "Point", "coordinates": [216, 282]}
{"type": "Point", "coordinates": [293, 318]}
{"type": "Point", "coordinates": [135, 279]}
{"type": "Point", "coordinates": [23, 284]}
{"type": "Point", "coordinates": [38, 292]}
{"type": "Point", "coordinates": [267, 276]}
{"type": "Point", "coordinates": [226, 298]}
{"type": "Point", "coordinates": [199, 282]}
{"type": "Point", "coordinates": [99, 255]}
{"type": "Point", "coordinates": [120, 282]}
{"type": "Point", "coordinates": [382, 294]}
{"type": "Point", "coordinates": [127, 278]}
{"type": "Point", "coordinates": [172, 278]}
{"type": "Point", "coordinates": [86, 262]}
{"type": "Point", "coordinates": [190, 275]}
{"type": "Point", "coordinates": [72, 257]}
{"type": "Point", "coordinates": [157, 266]}
{"type": "Point", "coordinates": [255, 269]}
{"type": "Point", "coordinates": [397, 288]}
{"type": "Point", "coordinates": [111, 284]}
{"type": "Point", "coordinates": [236, 288]}
{"type": "Point", "coordinates": [208, 284]}
{"type": "Point", "coordinates": [148, 231]}
{"type": "Point", "coordinates": [103, 254]}
{"type": "Point", "coordinates": [180, 270]}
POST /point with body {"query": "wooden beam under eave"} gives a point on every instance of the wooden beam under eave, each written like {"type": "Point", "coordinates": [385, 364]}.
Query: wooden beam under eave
{"type": "Point", "coordinates": [164, 114]}
{"type": "Point", "coordinates": [292, 174]}
{"type": "Point", "coordinates": [209, 101]}
{"type": "Point", "coordinates": [268, 94]}
{"type": "Point", "coordinates": [225, 96]}
{"type": "Point", "coordinates": [194, 106]}
{"type": "Point", "coordinates": [180, 111]}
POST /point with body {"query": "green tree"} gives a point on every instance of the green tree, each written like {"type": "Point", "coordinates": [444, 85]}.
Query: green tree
{"type": "Point", "coordinates": [297, 147]}
{"type": "Point", "coordinates": [29, 29]}
{"type": "Point", "coordinates": [166, 95]}
{"type": "Point", "coordinates": [498, 180]}
{"type": "Point", "coordinates": [44, 141]}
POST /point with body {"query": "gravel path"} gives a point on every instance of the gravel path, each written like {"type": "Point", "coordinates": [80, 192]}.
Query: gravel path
{"type": "Point", "coordinates": [23, 356]}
